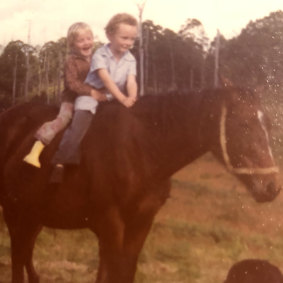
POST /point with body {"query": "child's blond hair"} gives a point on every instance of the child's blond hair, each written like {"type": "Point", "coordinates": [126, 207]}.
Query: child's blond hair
{"type": "Point", "coordinates": [73, 32]}
{"type": "Point", "coordinates": [117, 19]}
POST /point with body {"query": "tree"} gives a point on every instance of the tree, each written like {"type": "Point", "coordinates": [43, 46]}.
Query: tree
{"type": "Point", "coordinates": [194, 29]}
{"type": "Point", "coordinates": [12, 70]}
{"type": "Point", "coordinates": [51, 57]}
{"type": "Point", "coordinates": [141, 5]}
{"type": "Point", "coordinates": [254, 58]}
{"type": "Point", "coordinates": [197, 42]}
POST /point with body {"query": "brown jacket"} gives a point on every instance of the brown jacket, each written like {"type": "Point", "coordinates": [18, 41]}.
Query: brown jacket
{"type": "Point", "coordinates": [76, 70]}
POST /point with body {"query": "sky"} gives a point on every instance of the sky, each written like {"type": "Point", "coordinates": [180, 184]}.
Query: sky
{"type": "Point", "coordinates": [40, 21]}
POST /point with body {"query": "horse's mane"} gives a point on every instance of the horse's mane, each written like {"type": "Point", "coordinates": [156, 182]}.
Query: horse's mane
{"type": "Point", "coordinates": [156, 108]}
{"type": "Point", "coordinates": [192, 99]}
{"type": "Point", "coordinates": [149, 109]}
{"type": "Point", "coordinates": [159, 112]}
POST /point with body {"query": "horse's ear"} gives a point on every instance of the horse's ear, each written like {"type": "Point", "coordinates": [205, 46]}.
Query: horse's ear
{"type": "Point", "coordinates": [225, 82]}
{"type": "Point", "coordinates": [240, 96]}
{"type": "Point", "coordinates": [232, 95]}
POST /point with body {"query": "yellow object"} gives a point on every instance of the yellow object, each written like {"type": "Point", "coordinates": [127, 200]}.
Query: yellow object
{"type": "Point", "coordinates": [33, 157]}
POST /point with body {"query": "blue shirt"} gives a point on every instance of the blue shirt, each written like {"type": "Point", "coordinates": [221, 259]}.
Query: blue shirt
{"type": "Point", "coordinates": [119, 71]}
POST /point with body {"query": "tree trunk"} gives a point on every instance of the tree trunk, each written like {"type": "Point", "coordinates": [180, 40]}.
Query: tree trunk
{"type": "Point", "coordinates": [39, 80]}
{"type": "Point", "coordinates": [141, 49]}
{"type": "Point", "coordinates": [146, 62]}
{"type": "Point", "coordinates": [46, 71]}
{"type": "Point", "coordinates": [57, 100]}
{"type": "Point", "coordinates": [15, 79]}
{"type": "Point", "coordinates": [216, 67]}
{"type": "Point", "coordinates": [27, 77]}
{"type": "Point", "coordinates": [173, 86]}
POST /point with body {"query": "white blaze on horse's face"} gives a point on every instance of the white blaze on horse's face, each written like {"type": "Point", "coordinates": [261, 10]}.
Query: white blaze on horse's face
{"type": "Point", "coordinates": [260, 116]}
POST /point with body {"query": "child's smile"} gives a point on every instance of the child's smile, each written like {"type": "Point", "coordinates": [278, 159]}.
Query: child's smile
{"type": "Point", "coordinates": [84, 43]}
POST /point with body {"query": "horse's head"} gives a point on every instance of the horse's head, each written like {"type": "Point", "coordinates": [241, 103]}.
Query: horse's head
{"type": "Point", "coordinates": [245, 144]}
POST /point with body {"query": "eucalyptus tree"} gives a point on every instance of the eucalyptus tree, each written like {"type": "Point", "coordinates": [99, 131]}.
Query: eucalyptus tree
{"type": "Point", "coordinates": [196, 43]}
{"type": "Point", "coordinates": [173, 61]}
{"type": "Point", "coordinates": [255, 57]}
{"type": "Point", "coordinates": [217, 45]}
{"type": "Point", "coordinates": [152, 39]}
{"type": "Point", "coordinates": [13, 70]}
{"type": "Point", "coordinates": [51, 58]}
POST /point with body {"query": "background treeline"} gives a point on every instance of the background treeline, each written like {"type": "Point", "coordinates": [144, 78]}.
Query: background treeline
{"type": "Point", "coordinates": [180, 61]}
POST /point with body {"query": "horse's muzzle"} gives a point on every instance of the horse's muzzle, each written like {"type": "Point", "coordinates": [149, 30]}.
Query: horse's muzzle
{"type": "Point", "coordinates": [270, 192]}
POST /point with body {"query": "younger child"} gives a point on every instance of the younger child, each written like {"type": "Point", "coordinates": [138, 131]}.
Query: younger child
{"type": "Point", "coordinates": [80, 45]}
{"type": "Point", "coordinates": [113, 70]}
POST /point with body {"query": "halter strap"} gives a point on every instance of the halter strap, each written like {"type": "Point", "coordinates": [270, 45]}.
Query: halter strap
{"type": "Point", "coordinates": [223, 143]}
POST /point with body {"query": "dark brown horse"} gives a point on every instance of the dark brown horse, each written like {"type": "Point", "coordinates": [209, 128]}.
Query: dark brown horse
{"type": "Point", "coordinates": [128, 156]}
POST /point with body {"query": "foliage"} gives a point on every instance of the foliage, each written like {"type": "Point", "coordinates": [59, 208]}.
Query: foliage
{"type": "Point", "coordinates": [254, 58]}
{"type": "Point", "coordinates": [172, 61]}
{"type": "Point", "coordinates": [12, 61]}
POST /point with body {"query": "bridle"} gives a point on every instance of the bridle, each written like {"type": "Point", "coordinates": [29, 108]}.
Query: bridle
{"type": "Point", "coordinates": [223, 143]}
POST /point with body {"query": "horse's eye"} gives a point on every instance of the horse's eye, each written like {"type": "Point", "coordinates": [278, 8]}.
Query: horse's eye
{"type": "Point", "coordinates": [244, 125]}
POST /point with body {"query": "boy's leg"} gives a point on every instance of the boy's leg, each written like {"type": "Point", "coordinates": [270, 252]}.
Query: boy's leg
{"type": "Point", "coordinates": [69, 148]}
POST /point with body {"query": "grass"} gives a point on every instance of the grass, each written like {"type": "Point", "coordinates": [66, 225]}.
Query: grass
{"type": "Point", "coordinates": [209, 222]}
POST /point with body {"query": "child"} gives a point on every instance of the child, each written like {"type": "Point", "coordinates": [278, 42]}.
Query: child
{"type": "Point", "coordinates": [113, 69]}
{"type": "Point", "coordinates": [121, 32]}
{"type": "Point", "coordinates": [80, 44]}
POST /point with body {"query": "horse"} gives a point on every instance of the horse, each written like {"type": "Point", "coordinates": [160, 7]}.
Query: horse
{"type": "Point", "coordinates": [127, 158]}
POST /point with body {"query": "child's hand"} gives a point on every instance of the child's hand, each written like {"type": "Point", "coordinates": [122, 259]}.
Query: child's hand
{"type": "Point", "coordinates": [133, 98]}
{"type": "Point", "coordinates": [98, 95]}
{"type": "Point", "coordinates": [128, 101]}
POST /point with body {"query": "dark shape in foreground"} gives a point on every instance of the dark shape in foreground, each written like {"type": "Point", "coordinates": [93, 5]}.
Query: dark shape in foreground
{"type": "Point", "coordinates": [128, 157]}
{"type": "Point", "coordinates": [254, 271]}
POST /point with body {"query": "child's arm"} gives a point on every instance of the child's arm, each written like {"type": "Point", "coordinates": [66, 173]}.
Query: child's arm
{"type": "Point", "coordinates": [98, 95]}
{"type": "Point", "coordinates": [113, 88]}
{"type": "Point", "coordinates": [74, 81]}
{"type": "Point", "coordinates": [132, 87]}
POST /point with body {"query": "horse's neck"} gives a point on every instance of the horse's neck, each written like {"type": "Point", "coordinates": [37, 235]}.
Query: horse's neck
{"type": "Point", "coordinates": [178, 139]}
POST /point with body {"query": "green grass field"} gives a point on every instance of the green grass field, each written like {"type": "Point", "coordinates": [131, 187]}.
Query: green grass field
{"type": "Point", "coordinates": [209, 222]}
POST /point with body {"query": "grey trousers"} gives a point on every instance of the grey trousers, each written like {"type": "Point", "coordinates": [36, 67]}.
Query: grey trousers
{"type": "Point", "coordinates": [68, 151]}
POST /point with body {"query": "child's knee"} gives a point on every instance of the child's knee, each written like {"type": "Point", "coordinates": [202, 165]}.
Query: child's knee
{"type": "Point", "coordinates": [66, 111]}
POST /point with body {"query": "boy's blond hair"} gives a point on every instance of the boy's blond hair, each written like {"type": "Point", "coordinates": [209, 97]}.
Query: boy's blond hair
{"type": "Point", "coordinates": [117, 19]}
{"type": "Point", "coordinates": [73, 32]}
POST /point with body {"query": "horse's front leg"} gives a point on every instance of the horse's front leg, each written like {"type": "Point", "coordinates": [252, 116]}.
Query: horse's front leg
{"type": "Point", "coordinates": [109, 227]}
{"type": "Point", "coordinates": [115, 266]}
{"type": "Point", "coordinates": [121, 240]}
